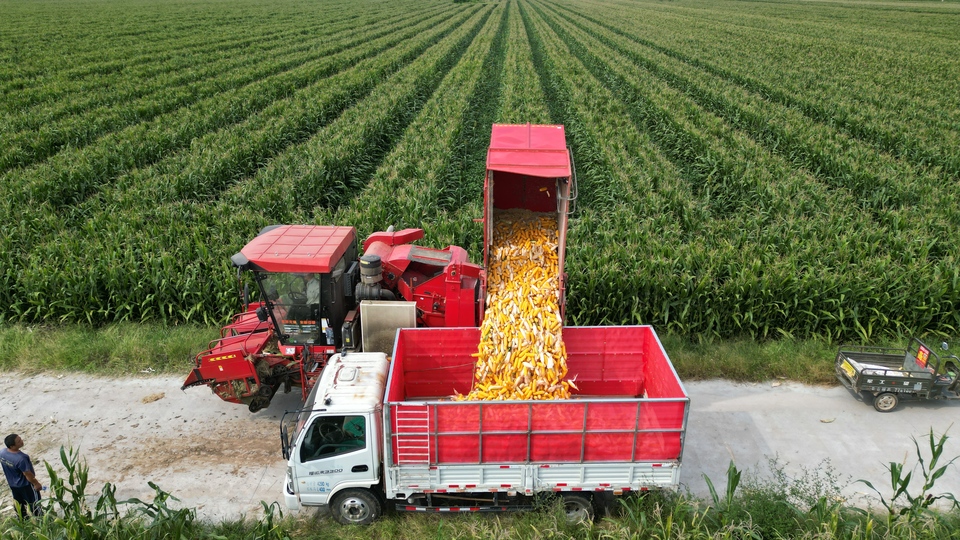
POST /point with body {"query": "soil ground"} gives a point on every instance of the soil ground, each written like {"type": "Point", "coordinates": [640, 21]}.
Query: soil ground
{"type": "Point", "coordinates": [222, 460]}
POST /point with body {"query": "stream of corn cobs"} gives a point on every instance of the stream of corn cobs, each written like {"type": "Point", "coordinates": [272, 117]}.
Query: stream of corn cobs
{"type": "Point", "coordinates": [521, 353]}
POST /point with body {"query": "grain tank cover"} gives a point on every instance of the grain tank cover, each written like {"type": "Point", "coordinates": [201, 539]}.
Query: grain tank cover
{"type": "Point", "coordinates": [529, 167]}
{"type": "Point", "coordinates": [529, 150]}
{"type": "Point", "coordinates": [296, 248]}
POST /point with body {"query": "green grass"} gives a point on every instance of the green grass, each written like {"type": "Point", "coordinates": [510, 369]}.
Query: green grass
{"type": "Point", "coordinates": [128, 348]}
{"type": "Point", "coordinates": [119, 349]}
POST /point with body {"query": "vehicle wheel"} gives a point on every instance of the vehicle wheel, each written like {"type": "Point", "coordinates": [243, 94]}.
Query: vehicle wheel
{"type": "Point", "coordinates": [258, 403]}
{"type": "Point", "coordinates": [355, 507]}
{"type": "Point", "coordinates": [577, 508]}
{"type": "Point", "coordinates": [885, 402]}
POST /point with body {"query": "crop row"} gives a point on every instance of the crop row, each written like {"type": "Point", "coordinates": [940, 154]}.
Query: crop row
{"type": "Point", "coordinates": [143, 75]}
{"type": "Point", "coordinates": [705, 155]}
{"type": "Point", "coordinates": [522, 98]}
{"type": "Point", "coordinates": [136, 280]}
{"type": "Point", "coordinates": [177, 92]}
{"type": "Point", "coordinates": [721, 191]}
{"type": "Point", "coordinates": [906, 117]}
{"type": "Point", "coordinates": [50, 56]}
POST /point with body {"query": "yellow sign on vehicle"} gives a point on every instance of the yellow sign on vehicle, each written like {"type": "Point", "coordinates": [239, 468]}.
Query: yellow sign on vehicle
{"type": "Point", "coordinates": [846, 367]}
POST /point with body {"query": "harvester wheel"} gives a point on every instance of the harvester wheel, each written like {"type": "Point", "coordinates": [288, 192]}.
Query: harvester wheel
{"type": "Point", "coordinates": [577, 508]}
{"type": "Point", "coordinates": [885, 402]}
{"type": "Point", "coordinates": [258, 403]}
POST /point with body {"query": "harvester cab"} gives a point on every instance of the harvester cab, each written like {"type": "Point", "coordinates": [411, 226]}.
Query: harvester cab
{"type": "Point", "coordinates": [304, 281]}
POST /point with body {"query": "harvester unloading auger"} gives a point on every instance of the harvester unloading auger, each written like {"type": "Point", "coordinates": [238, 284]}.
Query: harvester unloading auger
{"type": "Point", "coordinates": [318, 298]}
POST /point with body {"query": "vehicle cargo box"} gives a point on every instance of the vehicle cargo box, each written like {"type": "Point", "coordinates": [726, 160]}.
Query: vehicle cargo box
{"type": "Point", "coordinates": [630, 405]}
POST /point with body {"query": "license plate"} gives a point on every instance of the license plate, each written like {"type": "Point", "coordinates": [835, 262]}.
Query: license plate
{"type": "Point", "coordinates": [846, 367]}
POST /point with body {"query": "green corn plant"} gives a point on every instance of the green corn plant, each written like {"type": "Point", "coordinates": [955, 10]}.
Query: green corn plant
{"type": "Point", "coordinates": [67, 514]}
{"type": "Point", "coordinates": [414, 179]}
{"type": "Point", "coordinates": [909, 507]}
{"type": "Point", "coordinates": [160, 521]}
{"type": "Point", "coordinates": [166, 91]}
{"type": "Point", "coordinates": [724, 508]}
{"type": "Point", "coordinates": [270, 526]}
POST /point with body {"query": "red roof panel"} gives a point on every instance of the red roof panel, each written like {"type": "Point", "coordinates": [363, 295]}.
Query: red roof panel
{"type": "Point", "coordinates": [299, 248]}
{"type": "Point", "coordinates": [529, 149]}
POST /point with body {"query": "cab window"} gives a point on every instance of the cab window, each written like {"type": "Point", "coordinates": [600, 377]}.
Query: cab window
{"type": "Point", "coordinates": [330, 436]}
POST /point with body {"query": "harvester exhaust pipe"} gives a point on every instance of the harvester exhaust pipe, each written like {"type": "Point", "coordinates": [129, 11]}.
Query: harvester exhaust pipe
{"type": "Point", "coordinates": [371, 274]}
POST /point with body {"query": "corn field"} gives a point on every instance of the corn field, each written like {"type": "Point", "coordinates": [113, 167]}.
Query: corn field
{"type": "Point", "coordinates": [745, 169]}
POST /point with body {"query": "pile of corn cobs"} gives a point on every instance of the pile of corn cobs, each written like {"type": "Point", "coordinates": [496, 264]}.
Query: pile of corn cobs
{"type": "Point", "coordinates": [521, 353]}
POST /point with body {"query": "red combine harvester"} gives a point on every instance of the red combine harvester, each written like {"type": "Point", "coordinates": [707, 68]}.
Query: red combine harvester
{"type": "Point", "coordinates": [317, 298]}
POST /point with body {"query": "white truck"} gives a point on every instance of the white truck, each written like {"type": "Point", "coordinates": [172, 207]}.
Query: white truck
{"type": "Point", "coordinates": [376, 430]}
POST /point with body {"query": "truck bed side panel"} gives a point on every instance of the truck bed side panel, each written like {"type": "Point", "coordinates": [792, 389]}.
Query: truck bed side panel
{"type": "Point", "coordinates": [529, 478]}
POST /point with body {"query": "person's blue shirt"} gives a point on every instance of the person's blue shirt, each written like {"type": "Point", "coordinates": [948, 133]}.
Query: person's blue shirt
{"type": "Point", "coordinates": [14, 465]}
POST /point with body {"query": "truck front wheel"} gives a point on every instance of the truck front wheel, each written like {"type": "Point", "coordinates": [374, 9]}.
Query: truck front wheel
{"type": "Point", "coordinates": [885, 402]}
{"type": "Point", "coordinates": [577, 508]}
{"type": "Point", "coordinates": [355, 507]}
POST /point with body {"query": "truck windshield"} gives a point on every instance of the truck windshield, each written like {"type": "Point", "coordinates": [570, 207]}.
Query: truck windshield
{"type": "Point", "coordinates": [305, 412]}
{"type": "Point", "coordinates": [330, 436]}
{"type": "Point", "coordinates": [296, 305]}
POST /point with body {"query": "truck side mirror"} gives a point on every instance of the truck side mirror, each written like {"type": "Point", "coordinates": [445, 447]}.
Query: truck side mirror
{"type": "Point", "coordinates": [262, 314]}
{"type": "Point", "coordinates": [284, 442]}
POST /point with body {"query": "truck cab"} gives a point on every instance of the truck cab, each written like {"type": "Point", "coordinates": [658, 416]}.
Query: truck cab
{"type": "Point", "coordinates": [335, 450]}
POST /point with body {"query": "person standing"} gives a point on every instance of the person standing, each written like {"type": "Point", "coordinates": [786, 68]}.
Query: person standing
{"type": "Point", "coordinates": [18, 469]}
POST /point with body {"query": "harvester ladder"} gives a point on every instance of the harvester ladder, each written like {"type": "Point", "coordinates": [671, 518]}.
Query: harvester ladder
{"type": "Point", "coordinates": [412, 431]}
{"type": "Point", "coordinates": [571, 198]}
{"type": "Point", "coordinates": [310, 371]}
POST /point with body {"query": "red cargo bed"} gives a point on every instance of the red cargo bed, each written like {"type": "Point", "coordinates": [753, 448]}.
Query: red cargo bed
{"type": "Point", "coordinates": [630, 405]}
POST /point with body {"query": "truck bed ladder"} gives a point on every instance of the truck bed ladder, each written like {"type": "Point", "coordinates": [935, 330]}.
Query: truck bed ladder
{"type": "Point", "coordinates": [412, 432]}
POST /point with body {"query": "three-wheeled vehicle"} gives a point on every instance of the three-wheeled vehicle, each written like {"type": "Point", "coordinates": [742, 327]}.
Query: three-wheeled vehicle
{"type": "Point", "coordinates": [887, 375]}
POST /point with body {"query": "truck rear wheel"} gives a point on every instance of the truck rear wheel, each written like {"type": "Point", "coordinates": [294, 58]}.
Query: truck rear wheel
{"type": "Point", "coordinates": [885, 402]}
{"type": "Point", "coordinates": [577, 508]}
{"type": "Point", "coordinates": [355, 507]}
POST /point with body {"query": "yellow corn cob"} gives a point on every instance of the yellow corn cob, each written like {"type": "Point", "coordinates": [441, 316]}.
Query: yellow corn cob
{"type": "Point", "coordinates": [521, 352]}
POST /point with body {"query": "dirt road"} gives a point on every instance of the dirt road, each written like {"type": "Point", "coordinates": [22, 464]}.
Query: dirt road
{"type": "Point", "coordinates": [222, 460]}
